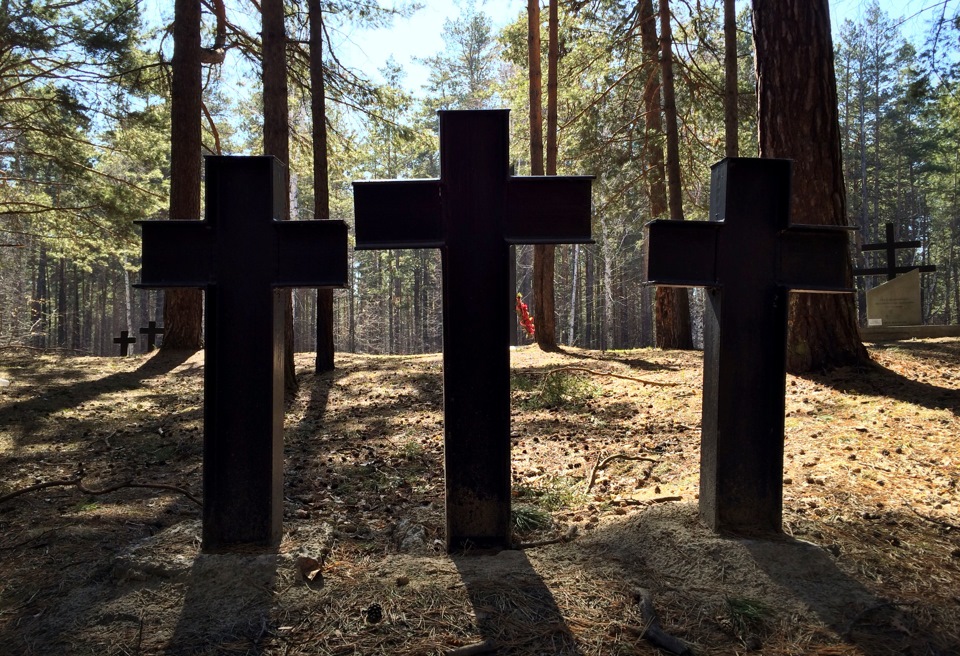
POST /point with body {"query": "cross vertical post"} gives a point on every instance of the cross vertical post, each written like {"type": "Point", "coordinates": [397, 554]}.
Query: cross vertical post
{"type": "Point", "coordinates": [241, 254]}
{"type": "Point", "coordinates": [749, 257]}
{"type": "Point", "coordinates": [473, 213]}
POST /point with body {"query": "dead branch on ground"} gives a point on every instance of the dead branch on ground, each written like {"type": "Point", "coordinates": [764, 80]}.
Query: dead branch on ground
{"type": "Point", "coordinates": [652, 631]}
{"type": "Point", "coordinates": [77, 482]}
{"type": "Point", "coordinates": [600, 464]}
{"type": "Point", "coordinates": [608, 374]}
{"type": "Point", "coordinates": [485, 647]}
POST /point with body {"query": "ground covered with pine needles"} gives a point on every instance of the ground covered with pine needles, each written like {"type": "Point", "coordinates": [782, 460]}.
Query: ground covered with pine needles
{"type": "Point", "coordinates": [99, 515]}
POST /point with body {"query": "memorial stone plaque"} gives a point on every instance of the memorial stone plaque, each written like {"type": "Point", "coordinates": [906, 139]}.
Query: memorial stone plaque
{"type": "Point", "coordinates": [896, 302]}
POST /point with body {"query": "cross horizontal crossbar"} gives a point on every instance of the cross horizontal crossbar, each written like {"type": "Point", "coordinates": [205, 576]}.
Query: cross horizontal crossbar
{"type": "Point", "coordinates": [184, 253]}
{"type": "Point", "coordinates": [809, 257]}
{"type": "Point", "coordinates": [409, 213]}
{"type": "Point", "coordinates": [913, 243]}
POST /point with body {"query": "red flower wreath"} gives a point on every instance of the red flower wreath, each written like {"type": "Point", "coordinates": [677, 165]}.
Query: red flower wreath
{"type": "Point", "coordinates": [523, 315]}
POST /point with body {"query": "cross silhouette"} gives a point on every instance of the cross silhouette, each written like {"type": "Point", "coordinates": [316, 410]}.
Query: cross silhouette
{"type": "Point", "coordinates": [749, 257]}
{"type": "Point", "coordinates": [151, 331]}
{"type": "Point", "coordinates": [472, 213]}
{"type": "Point", "coordinates": [240, 255]}
{"type": "Point", "coordinates": [890, 246]}
{"type": "Point", "coordinates": [124, 340]}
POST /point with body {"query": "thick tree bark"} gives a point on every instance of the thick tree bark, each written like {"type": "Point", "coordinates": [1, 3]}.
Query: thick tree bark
{"type": "Point", "coordinates": [798, 119]}
{"type": "Point", "coordinates": [321, 186]}
{"type": "Point", "coordinates": [672, 303]}
{"type": "Point", "coordinates": [275, 142]}
{"type": "Point", "coordinates": [544, 255]}
{"type": "Point", "coordinates": [183, 308]}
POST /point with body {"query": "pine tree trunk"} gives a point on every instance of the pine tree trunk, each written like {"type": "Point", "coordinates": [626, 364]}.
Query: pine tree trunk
{"type": "Point", "coordinates": [536, 83]}
{"type": "Point", "coordinates": [62, 302]}
{"type": "Point", "coordinates": [653, 140]}
{"type": "Point", "coordinates": [653, 136]}
{"type": "Point", "coordinates": [544, 255]}
{"type": "Point", "coordinates": [276, 131]}
{"type": "Point", "coordinates": [589, 322]}
{"type": "Point", "coordinates": [321, 192]}
{"type": "Point", "coordinates": [672, 303]}
{"type": "Point", "coordinates": [574, 271]}
{"type": "Point", "coordinates": [730, 95]}
{"type": "Point", "coordinates": [183, 308]}
{"type": "Point", "coordinates": [38, 305]}
{"type": "Point", "coordinates": [76, 325]}
{"type": "Point", "coordinates": [798, 119]}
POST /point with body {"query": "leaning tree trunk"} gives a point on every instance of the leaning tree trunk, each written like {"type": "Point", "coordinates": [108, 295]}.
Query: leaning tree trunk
{"type": "Point", "coordinates": [321, 187]}
{"type": "Point", "coordinates": [183, 308]}
{"type": "Point", "coordinates": [798, 119]}
{"type": "Point", "coordinates": [672, 303]}
{"type": "Point", "coordinates": [275, 142]}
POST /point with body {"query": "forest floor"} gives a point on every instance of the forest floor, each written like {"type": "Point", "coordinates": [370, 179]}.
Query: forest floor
{"type": "Point", "coordinates": [869, 562]}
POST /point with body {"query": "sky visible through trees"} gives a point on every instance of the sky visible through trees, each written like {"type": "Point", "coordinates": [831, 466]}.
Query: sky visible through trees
{"type": "Point", "coordinates": [419, 36]}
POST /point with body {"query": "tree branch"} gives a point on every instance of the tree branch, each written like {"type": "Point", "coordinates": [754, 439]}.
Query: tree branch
{"type": "Point", "coordinates": [77, 482]}
{"type": "Point", "coordinates": [616, 456]}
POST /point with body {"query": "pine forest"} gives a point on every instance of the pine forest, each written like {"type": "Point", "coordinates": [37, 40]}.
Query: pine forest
{"type": "Point", "coordinates": [87, 111]}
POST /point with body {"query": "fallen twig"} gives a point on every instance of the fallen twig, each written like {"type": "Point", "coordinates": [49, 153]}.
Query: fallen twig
{"type": "Point", "coordinates": [652, 631]}
{"type": "Point", "coordinates": [611, 375]}
{"type": "Point", "coordinates": [484, 647]}
{"type": "Point", "coordinates": [78, 483]}
{"type": "Point", "coordinates": [566, 537]}
{"type": "Point", "coordinates": [666, 499]}
{"type": "Point", "coordinates": [600, 464]}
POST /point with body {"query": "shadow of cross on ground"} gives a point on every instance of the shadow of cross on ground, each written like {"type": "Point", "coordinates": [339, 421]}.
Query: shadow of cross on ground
{"type": "Point", "coordinates": [512, 604]}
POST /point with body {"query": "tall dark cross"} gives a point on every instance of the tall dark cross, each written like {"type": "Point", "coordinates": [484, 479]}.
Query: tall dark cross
{"type": "Point", "coordinates": [891, 245]}
{"type": "Point", "coordinates": [151, 331]}
{"type": "Point", "coordinates": [240, 255]}
{"type": "Point", "coordinates": [749, 257]}
{"type": "Point", "coordinates": [472, 214]}
{"type": "Point", "coordinates": [124, 340]}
